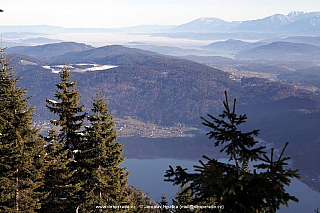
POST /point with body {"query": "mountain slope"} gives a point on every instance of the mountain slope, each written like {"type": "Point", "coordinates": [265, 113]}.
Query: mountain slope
{"type": "Point", "coordinates": [167, 90]}
{"type": "Point", "coordinates": [206, 25]}
{"type": "Point", "coordinates": [145, 84]}
{"type": "Point", "coordinates": [48, 50]}
{"type": "Point", "coordinates": [148, 85]}
{"type": "Point", "coordinates": [306, 26]}
{"type": "Point", "coordinates": [308, 76]}
{"type": "Point", "coordinates": [277, 51]}
{"type": "Point", "coordinates": [167, 50]}
{"type": "Point", "coordinates": [303, 39]}
{"type": "Point", "coordinates": [298, 15]}
{"type": "Point", "coordinates": [231, 45]}
{"type": "Point", "coordinates": [297, 23]}
{"type": "Point", "coordinates": [269, 23]}
{"type": "Point", "coordinates": [113, 54]}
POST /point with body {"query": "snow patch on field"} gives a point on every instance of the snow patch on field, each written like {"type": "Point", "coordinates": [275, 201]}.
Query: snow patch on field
{"type": "Point", "coordinates": [79, 67]}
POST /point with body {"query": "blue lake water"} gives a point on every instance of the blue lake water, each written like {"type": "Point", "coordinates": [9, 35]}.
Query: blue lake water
{"type": "Point", "coordinates": [148, 175]}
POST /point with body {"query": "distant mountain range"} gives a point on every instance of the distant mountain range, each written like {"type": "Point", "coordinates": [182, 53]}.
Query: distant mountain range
{"type": "Point", "coordinates": [218, 25]}
{"type": "Point", "coordinates": [306, 26]}
{"type": "Point", "coordinates": [270, 23]}
{"type": "Point", "coordinates": [206, 25]}
{"type": "Point", "coordinates": [299, 15]}
{"type": "Point", "coordinates": [298, 23]}
{"type": "Point", "coordinates": [294, 22]}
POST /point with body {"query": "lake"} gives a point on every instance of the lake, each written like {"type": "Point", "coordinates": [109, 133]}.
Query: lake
{"type": "Point", "coordinates": [149, 158]}
{"type": "Point", "coordinates": [148, 175]}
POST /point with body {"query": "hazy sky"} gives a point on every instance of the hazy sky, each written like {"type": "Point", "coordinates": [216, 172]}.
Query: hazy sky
{"type": "Point", "coordinates": [119, 13]}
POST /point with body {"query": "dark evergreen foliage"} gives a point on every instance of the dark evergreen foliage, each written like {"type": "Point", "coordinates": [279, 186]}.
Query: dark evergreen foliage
{"type": "Point", "coordinates": [183, 198]}
{"type": "Point", "coordinates": [21, 149]}
{"type": "Point", "coordinates": [83, 162]}
{"type": "Point", "coordinates": [140, 201]}
{"type": "Point", "coordinates": [103, 182]}
{"type": "Point", "coordinates": [57, 176]}
{"type": "Point", "coordinates": [238, 145]}
{"type": "Point", "coordinates": [71, 118]}
{"type": "Point", "coordinates": [70, 114]}
{"type": "Point", "coordinates": [164, 203]}
{"type": "Point", "coordinates": [234, 186]}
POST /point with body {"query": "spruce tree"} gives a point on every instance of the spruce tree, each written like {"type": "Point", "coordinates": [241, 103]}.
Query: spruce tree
{"type": "Point", "coordinates": [164, 203]}
{"type": "Point", "coordinates": [233, 185]}
{"type": "Point", "coordinates": [70, 123]}
{"type": "Point", "coordinates": [57, 176]}
{"type": "Point", "coordinates": [141, 201]}
{"type": "Point", "coordinates": [21, 148]}
{"type": "Point", "coordinates": [67, 108]}
{"type": "Point", "coordinates": [182, 199]}
{"type": "Point", "coordinates": [103, 182]}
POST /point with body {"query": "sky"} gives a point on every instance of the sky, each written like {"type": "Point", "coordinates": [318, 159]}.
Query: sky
{"type": "Point", "coordinates": [121, 13]}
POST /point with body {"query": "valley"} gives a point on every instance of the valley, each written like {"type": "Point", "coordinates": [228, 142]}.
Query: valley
{"type": "Point", "coordinates": [128, 127]}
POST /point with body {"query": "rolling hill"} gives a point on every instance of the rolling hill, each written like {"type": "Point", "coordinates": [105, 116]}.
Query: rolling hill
{"type": "Point", "coordinates": [48, 50]}
{"type": "Point", "coordinates": [144, 84]}
{"type": "Point", "coordinates": [231, 45]}
{"type": "Point", "coordinates": [282, 51]}
{"type": "Point", "coordinates": [303, 39]}
{"type": "Point", "coordinates": [113, 54]}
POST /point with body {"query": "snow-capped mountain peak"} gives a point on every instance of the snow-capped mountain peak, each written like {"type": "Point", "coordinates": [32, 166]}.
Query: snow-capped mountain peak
{"type": "Point", "coordinates": [296, 14]}
{"type": "Point", "coordinates": [280, 18]}
{"type": "Point", "coordinates": [208, 21]}
{"type": "Point", "coordinates": [294, 22]}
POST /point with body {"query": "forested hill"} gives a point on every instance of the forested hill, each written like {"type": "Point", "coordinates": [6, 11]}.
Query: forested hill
{"type": "Point", "coordinates": [115, 54]}
{"type": "Point", "coordinates": [49, 50]}
{"type": "Point", "coordinates": [147, 85]}
{"type": "Point", "coordinates": [144, 84]}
